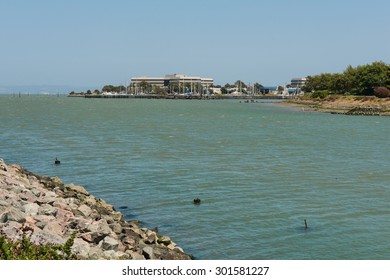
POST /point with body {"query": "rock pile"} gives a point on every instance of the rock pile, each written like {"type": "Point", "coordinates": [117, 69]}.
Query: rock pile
{"type": "Point", "coordinates": [365, 111]}
{"type": "Point", "coordinates": [48, 211]}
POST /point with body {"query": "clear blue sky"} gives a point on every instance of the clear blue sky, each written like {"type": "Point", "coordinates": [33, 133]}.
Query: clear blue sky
{"type": "Point", "coordinates": [93, 43]}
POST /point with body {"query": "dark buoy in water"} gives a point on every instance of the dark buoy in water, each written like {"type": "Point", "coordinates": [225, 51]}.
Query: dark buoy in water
{"type": "Point", "coordinates": [57, 161]}
{"type": "Point", "coordinates": [305, 224]}
{"type": "Point", "coordinates": [196, 201]}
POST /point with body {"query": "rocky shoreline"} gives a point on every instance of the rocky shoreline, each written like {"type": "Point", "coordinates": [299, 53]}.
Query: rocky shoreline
{"type": "Point", "coordinates": [48, 212]}
{"type": "Point", "coordinates": [349, 105]}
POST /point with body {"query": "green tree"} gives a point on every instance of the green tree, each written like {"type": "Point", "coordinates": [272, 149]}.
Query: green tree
{"type": "Point", "coordinates": [359, 80]}
{"type": "Point", "coordinates": [144, 86]}
{"type": "Point", "coordinates": [240, 85]}
{"type": "Point", "coordinates": [373, 75]}
{"type": "Point", "coordinates": [108, 88]}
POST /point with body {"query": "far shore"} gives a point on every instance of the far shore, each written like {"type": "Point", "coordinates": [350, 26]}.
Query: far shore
{"type": "Point", "coordinates": [348, 105]}
{"type": "Point", "coordinates": [183, 96]}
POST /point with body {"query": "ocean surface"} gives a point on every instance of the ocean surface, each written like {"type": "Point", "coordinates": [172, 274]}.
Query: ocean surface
{"type": "Point", "coordinates": [260, 170]}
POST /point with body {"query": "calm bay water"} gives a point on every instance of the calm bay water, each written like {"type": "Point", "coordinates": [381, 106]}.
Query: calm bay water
{"type": "Point", "coordinates": [259, 168]}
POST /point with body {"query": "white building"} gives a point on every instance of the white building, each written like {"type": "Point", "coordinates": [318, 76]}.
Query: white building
{"type": "Point", "coordinates": [173, 78]}
{"type": "Point", "coordinates": [297, 82]}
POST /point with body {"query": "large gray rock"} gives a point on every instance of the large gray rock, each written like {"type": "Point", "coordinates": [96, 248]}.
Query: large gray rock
{"type": "Point", "coordinates": [11, 229]}
{"type": "Point", "coordinates": [31, 209]}
{"type": "Point", "coordinates": [47, 209]}
{"type": "Point", "coordinates": [163, 253]}
{"type": "Point", "coordinates": [148, 253]}
{"type": "Point", "coordinates": [97, 231]}
{"type": "Point", "coordinates": [115, 255]}
{"type": "Point", "coordinates": [28, 196]}
{"type": "Point", "coordinates": [84, 210]}
{"type": "Point", "coordinates": [151, 238]}
{"type": "Point", "coordinates": [95, 253]}
{"type": "Point", "coordinates": [44, 237]}
{"type": "Point", "coordinates": [136, 256]}
{"type": "Point", "coordinates": [116, 227]}
{"type": "Point", "coordinates": [64, 216]}
{"type": "Point", "coordinates": [13, 214]}
{"type": "Point", "coordinates": [165, 240]}
{"type": "Point", "coordinates": [77, 189]}
{"type": "Point", "coordinates": [3, 204]}
{"type": "Point", "coordinates": [54, 227]}
{"type": "Point", "coordinates": [109, 243]}
{"type": "Point", "coordinates": [81, 248]}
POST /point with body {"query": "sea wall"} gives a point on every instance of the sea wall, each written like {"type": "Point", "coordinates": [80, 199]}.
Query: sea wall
{"type": "Point", "coordinates": [49, 211]}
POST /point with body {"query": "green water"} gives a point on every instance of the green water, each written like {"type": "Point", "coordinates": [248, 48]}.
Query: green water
{"type": "Point", "coordinates": [260, 169]}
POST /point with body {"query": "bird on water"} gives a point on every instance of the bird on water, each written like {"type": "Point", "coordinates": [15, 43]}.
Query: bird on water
{"type": "Point", "coordinates": [196, 201]}
{"type": "Point", "coordinates": [57, 161]}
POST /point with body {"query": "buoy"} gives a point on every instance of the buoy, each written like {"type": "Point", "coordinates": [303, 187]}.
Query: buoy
{"type": "Point", "coordinates": [305, 224]}
{"type": "Point", "coordinates": [196, 201]}
{"type": "Point", "coordinates": [57, 161]}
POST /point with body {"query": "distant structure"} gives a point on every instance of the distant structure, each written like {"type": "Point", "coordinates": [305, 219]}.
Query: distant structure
{"type": "Point", "coordinates": [298, 82]}
{"type": "Point", "coordinates": [296, 85]}
{"type": "Point", "coordinates": [185, 83]}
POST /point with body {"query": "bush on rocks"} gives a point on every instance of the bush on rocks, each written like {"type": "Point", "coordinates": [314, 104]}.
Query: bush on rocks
{"type": "Point", "coordinates": [24, 249]}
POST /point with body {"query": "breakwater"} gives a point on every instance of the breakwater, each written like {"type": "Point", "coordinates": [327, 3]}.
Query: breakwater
{"type": "Point", "coordinates": [48, 211]}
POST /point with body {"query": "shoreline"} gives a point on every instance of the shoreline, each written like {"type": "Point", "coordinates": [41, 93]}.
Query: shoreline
{"type": "Point", "coordinates": [182, 97]}
{"type": "Point", "coordinates": [48, 211]}
{"type": "Point", "coordinates": [345, 105]}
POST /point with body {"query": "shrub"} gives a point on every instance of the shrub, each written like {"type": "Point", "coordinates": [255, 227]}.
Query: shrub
{"type": "Point", "coordinates": [381, 92]}
{"type": "Point", "coordinates": [320, 94]}
{"type": "Point", "coordinates": [23, 249]}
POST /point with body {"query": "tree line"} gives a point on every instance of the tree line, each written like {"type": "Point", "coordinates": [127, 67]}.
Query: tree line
{"type": "Point", "coordinates": [366, 79]}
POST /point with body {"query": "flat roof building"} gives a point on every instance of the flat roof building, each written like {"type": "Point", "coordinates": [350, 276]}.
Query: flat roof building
{"type": "Point", "coordinates": [298, 82]}
{"type": "Point", "coordinates": [173, 78]}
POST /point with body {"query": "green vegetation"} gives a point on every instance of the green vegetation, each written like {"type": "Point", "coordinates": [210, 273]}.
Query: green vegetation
{"type": "Point", "coordinates": [25, 250]}
{"type": "Point", "coordinates": [361, 80]}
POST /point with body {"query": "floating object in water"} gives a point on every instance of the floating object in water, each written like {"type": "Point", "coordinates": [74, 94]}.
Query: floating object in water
{"type": "Point", "coordinates": [196, 201]}
{"type": "Point", "coordinates": [57, 161]}
{"type": "Point", "coordinates": [305, 224]}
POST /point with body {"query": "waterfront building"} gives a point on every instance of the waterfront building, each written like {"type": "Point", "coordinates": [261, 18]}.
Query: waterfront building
{"type": "Point", "coordinates": [176, 83]}
{"type": "Point", "coordinates": [171, 79]}
{"type": "Point", "coordinates": [297, 82]}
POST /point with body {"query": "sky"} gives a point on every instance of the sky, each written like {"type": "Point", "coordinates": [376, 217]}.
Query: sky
{"type": "Point", "coordinates": [92, 43]}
